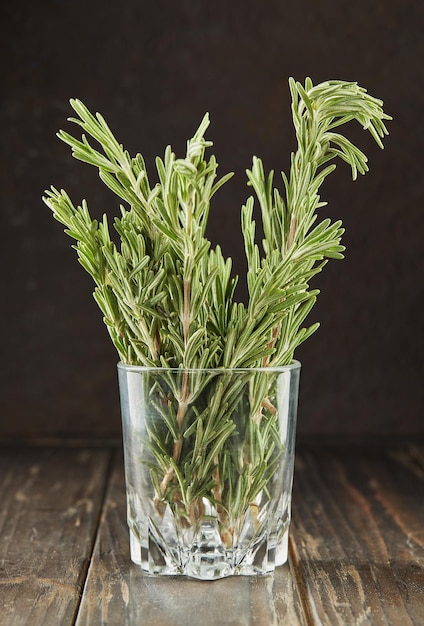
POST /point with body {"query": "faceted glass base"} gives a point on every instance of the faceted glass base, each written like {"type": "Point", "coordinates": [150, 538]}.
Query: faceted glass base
{"type": "Point", "coordinates": [207, 558]}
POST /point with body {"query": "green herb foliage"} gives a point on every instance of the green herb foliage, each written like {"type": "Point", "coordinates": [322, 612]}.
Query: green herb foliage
{"type": "Point", "coordinates": [167, 296]}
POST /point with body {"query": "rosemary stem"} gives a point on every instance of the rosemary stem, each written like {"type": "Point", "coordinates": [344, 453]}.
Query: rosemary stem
{"type": "Point", "coordinates": [186, 312]}
{"type": "Point", "coordinates": [167, 297]}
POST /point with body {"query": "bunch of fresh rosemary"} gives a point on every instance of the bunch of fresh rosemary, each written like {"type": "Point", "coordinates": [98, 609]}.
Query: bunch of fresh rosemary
{"type": "Point", "coordinates": [167, 296]}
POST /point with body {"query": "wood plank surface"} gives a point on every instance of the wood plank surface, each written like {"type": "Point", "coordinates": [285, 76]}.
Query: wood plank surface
{"type": "Point", "coordinates": [357, 540]}
{"type": "Point", "coordinates": [118, 593]}
{"type": "Point", "coordinates": [357, 546]}
{"type": "Point", "coordinates": [50, 501]}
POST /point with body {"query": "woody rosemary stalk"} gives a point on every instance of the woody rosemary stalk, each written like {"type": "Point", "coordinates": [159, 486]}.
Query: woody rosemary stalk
{"type": "Point", "coordinates": [167, 296]}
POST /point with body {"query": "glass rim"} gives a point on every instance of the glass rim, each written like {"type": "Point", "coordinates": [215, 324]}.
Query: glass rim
{"type": "Point", "coordinates": [294, 365]}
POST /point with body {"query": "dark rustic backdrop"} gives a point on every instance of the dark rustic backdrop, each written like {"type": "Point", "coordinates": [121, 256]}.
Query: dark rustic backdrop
{"type": "Point", "coordinates": [153, 69]}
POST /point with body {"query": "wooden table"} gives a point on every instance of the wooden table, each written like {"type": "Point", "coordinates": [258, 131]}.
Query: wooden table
{"type": "Point", "coordinates": [356, 549]}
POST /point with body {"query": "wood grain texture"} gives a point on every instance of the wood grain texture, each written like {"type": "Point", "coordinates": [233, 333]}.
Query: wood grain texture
{"type": "Point", "coordinates": [358, 535]}
{"type": "Point", "coordinates": [50, 501]}
{"type": "Point", "coordinates": [118, 593]}
{"type": "Point", "coordinates": [357, 546]}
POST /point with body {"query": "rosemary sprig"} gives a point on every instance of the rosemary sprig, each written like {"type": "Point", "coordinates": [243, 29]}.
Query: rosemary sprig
{"type": "Point", "coordinates": [168, 298]}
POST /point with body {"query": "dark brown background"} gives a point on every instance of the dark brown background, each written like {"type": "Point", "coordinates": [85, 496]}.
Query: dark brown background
{"type": "Point", "coordinates": [153, 69]}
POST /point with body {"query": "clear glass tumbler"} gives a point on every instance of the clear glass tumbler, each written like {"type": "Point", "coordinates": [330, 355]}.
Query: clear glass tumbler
{"type": "Point", "coordinates": [209, 468]}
